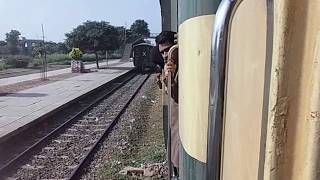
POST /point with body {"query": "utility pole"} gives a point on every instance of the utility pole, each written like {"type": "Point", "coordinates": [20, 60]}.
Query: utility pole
{"type": "Point", "coordinates": [44, 69]}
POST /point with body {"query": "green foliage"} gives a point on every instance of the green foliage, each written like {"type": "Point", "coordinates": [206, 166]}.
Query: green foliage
{"type": "Point", "coordinates": [12, 39]}
{"type": "Point", "coordinates": [50, 48]}
{"type": "Point", "coordinates": [64, 59]}
{"type": "Point", "coordinates": [140, 27]}
{"type": "Point", "coordinates": [36, 62]}
{"type": "Point", "coordinates": [38, 50]}
{"type": "Point", "coordinates": [2, 65]}
{"type": "Point", "coordinates": [62, 48]}
{"type": "Point", "coordinates": [121, 31]}
{"type": "Point", "coordinates": [93, 36]}
{"type": "Point", "coordinates": [75, 54]}
{"type": "Point", "coordinates": [132, 36]}
{"type": "Point", "coordinates": [3, 43]}
{"type": "Point", "coordinates": [53, 59]}
{"type": "Point", "coordinates": [61, 59]}
{"type": "Point", "coordinates": [88, 57]}
{"type": "Point", "coordinates": [17, 61]}
{"type": "Point", "coordinates": [114, 55]}
{"type": "Point", "coordinates": [138, 30]}
{"type": "Point", "coordinates": [58, 58]}
{"type": "Point", "coordinates": [59, 48]}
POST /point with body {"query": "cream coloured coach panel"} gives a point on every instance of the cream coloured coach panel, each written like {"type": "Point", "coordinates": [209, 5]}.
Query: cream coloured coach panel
{"type": "Point", "coordinates": [245, 92]}
{"type": "Point", "coordinates": [195, 55]}
{"type": "Point", "coordinates": [293, 137]}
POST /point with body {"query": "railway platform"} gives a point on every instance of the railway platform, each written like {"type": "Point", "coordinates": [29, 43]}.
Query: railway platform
{"type": "Point", "coordinates": [19, 109]}
{"type": "Point", "coordinates": [17, 79]}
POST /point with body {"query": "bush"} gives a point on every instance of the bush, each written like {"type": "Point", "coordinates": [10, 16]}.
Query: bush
{"type": "Point", "coordinates": [66, 62]}
{"type": "Point", "coordinates": [58, 58]}
{"type": "Point", "coordinates": [2, 65]}
{"type": "Point", "coordinates": [88, 57]}
{"type": "Point", "coordinates": [53, 59]}
{"type": "Point", "coordinates": [36, 62]}
{"type": "Point", "coordinates": [92, 57]}
{"type": "Point", "coordinates": [76, 54]}
{"type": "Point", "coordinates": [17, 61]}
{"type": "Point", "coordinates": [114, 56]}
{"type": "Point", "coordinates": [64, 59]}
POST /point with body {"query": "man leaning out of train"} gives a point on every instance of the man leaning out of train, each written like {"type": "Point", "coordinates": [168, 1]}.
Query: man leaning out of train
{"type": "Point", "coordinates": [166, 40]}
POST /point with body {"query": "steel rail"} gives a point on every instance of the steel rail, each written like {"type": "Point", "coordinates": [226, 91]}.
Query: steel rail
{"type": "Point", "coordinates": [76, 174]}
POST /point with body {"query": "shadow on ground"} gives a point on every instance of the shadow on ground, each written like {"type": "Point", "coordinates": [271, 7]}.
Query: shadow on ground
{"type": "Point", "coordinates": [23, 94]}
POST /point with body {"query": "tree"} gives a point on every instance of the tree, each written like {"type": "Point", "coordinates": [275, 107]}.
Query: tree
{"type": "Point", "coordinates": [132, 36]}
{"type": "Point", "coordinates": [51, 47]}
{"type": "Point", "coordinates": [75, 54]}
{"type": "Point", "coordinates": [93, 36]}
{"type": "Point", "coordinates": [62, 48]}
{"type": "Point", "coordinates": [3, 43]}
{"type": "Point", "coordinates": [38, 50]}
{"type": "Point", "coordinates": [121, 31]}
{"type": "Point", "coordinates": [140, 27]}
{"type": "Point", "coordinates": [12, 39]}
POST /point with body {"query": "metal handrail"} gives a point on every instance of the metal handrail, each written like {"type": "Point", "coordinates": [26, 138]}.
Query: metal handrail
{"type": "Point", "coordinates": [219, 56]}
{"type": "Point", "coordinates": [169, 127]}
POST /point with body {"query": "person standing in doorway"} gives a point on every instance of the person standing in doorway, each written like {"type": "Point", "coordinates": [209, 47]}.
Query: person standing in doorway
{"type": "Point", "coordinates": [165, 41]}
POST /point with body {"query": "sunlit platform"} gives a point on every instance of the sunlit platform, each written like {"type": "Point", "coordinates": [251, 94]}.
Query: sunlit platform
{"type": "Point", "coordinates": [18, 109]}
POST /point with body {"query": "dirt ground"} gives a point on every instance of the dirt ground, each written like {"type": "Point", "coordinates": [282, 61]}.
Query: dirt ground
{"type": "Point", "coordinates": [13, 88]}
{"type": "Point", "coordinates": [24, 71]}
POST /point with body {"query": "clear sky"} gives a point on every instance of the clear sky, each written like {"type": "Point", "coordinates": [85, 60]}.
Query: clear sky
{"type": "Point", "coordinates": [61, 16]}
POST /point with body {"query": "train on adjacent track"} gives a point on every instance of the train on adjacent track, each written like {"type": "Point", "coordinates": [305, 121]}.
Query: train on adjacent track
{"type": "Point", "coordinates": [248, 88]}
{"type": "Point", "coordinates": [142, 57]}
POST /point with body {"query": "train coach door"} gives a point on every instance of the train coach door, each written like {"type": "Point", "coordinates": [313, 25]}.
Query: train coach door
{"type": "Point", "coordinates": [246, 93]}
{"type": "Point", "coordinates": [271, 120]}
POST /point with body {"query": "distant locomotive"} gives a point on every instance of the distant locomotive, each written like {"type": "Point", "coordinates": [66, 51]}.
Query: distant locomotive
{"type": "Point", "coordinates": [142, 57]}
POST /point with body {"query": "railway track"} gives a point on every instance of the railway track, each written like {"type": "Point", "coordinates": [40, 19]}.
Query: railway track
{"type": "Point", "coordinates": [44, 125]}
{"type": "Point", "coordinates": [63, 153]}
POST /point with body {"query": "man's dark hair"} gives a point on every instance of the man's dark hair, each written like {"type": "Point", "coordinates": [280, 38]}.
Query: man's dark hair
{"type": "Point", "coordinates": [165, 37]}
